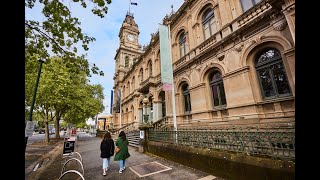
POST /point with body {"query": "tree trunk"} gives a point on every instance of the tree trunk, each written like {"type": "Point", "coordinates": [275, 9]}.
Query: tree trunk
{"type": "Point", "coordinates": [47, 139]}
{"type": "Point", "coordinates": [57, 126]}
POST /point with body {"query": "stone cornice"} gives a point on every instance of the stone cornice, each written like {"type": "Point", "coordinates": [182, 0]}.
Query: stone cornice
{"type": "Point", "coordinates": [197, 86]}
{"type": "Point", "coordinates": [236, 72]}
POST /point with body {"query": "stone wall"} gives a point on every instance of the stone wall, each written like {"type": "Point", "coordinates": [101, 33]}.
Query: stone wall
{"type": "Point", "coordinates": [229, 165]}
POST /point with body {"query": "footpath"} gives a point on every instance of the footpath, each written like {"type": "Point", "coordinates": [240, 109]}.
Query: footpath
{"type": "Point", "coordinates": [138, 165]}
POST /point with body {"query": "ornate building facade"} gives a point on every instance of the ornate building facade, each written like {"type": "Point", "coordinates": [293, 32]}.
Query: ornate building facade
{"type": "Point", "coordinates": [233, 64]}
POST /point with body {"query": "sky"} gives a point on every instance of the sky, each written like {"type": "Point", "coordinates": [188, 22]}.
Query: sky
{"type": "Point", "coordinates": [147, 14]}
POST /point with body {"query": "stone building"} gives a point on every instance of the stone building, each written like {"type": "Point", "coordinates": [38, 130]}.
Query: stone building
{"type": "Point", "coordinates": [233, 64]}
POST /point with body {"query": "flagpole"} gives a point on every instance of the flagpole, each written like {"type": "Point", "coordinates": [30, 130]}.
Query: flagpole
{"type": "Point", "coordinates": [129, 5]}
{"type": "Point", "coordinates": [172, 91]}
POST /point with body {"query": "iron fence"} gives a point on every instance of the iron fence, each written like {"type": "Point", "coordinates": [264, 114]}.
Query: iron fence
{"type": "Point", "coordinates": [278, 143]}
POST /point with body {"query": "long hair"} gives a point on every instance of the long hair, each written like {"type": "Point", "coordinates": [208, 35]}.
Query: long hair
{"type": "Point", "coordinates": [106, 136]}
{"type": "Point", "coordinates": [122, 135]}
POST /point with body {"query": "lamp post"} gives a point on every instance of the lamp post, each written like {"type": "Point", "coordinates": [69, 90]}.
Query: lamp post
{"type": "Point", "coordinates": [145, 102]}
{"type": "Point", "coordinates": [34, 96]}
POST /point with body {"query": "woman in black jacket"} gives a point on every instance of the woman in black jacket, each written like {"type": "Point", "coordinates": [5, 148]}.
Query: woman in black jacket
{"type": "Point", "coordinates": [107, 150]}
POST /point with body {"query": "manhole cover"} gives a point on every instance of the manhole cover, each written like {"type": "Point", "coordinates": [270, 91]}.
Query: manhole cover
{"type": "Point", "coordinates": [148, 169]}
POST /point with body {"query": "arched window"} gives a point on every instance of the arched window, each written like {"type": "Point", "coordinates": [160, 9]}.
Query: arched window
{"type": "Point", "coordinates": [271, 73]}
{"type": "Point", "coordinates": [217, 89]}
{"type": "Point", "coordinates": [247, 4]}
{"type": "Point", "coordinates": [208, 23]}
{"type": "Point", "coordinates": [128, 86]}
{"type": "Point", "coordinates": [163, 103]}
{"type": "Point", "coordinates": [126, 61]}
{"type": "Point", "coordinates": [141, 75]}
{"type": "Point", "coordinates": [182, 44]}
{"type": "Point", "coordinates": [150, 69]}
{"type": "Point", "coordinates": [133, 84]}
{"type": "Point", "coordinates": [186, 97]}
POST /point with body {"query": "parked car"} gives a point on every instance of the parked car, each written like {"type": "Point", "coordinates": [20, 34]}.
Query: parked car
{"type": "Point", "coordinates": [53, 130]}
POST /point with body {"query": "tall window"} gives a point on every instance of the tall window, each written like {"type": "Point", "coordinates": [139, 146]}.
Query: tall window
{"type": "Point", "coordinates": [186, 97]}
{"type": "Point", "coordinates": [163, 103]}
{"type": "Point", "coordinates": [271, 73]}
{"type": "Point", "coordinates": [217, 89]}
{"type": "Point", "coordinates": [133, 84]}
{"type": "Point", "coordinates": [182, 43]}
{"type": "Point", "coordinates": [150, 69]}
{"type": "Point", "coordinates": [208, 23]}
{"type": "Point", "coordinates": [247, 4]}
{"type": "Point", "coordinates": [141, 75]}
{"type": "Point", "coordinates": [126, 61]}
{"type": "Point", "coordinates": [128, 86]}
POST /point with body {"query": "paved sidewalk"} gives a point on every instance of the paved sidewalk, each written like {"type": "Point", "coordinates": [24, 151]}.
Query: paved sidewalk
{"type": "Point", "coordinates": [89, 148]}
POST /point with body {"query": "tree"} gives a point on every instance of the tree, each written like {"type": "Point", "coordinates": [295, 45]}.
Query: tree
{"type": "Point", "coordinates": [88, 104]}
{"type": "Point", "coordinates": [60, 32]}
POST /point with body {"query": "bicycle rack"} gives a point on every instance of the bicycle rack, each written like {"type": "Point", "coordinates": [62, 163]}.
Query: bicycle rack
{"type": "Point", "coordinates": [71, 155]}
{"type": "Point", "coordinates": [69, 161]}
{"type": "Point", "coordinates": [72, 171]}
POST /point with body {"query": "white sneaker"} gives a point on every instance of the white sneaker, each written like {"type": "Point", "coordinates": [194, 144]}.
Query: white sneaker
{"type": "Point", "coordinates": [120, 171]}
{"type": "Point", "coordinates": [104, 173]}
{"type": "Point", "coordinates": [123, 168]}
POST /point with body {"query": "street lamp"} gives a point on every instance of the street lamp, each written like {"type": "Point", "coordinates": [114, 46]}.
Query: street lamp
{"type": "Point", "coordinates": [34, 96]}
{"type": "Point", "coordinates": [145, 102]}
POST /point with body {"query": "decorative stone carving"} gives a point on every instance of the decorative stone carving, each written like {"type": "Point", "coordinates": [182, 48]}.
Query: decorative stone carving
{"type": "Point", "coordinates": [239, 47]}
{"type": "Point", "coordinates": [221, 57]}
{"type": "Point", "coordinates": [280, 25]}
{"type": "Point", "coordinates": [195, 25]}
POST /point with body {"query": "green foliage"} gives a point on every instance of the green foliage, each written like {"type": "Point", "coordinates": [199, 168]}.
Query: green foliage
{"type": "Point", "coordinates": [59, 32]}
{"type": "Point", "coordinates": [81, 125]}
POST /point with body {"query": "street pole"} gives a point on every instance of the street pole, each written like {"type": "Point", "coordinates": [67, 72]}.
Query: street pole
{"type": "Point", "coordinates": [34, 97]}
{"type": "Point", "coordinates": [172, 90]}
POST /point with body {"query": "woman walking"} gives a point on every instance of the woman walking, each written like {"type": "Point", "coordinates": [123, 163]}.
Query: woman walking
{"type": "Point", "coordinates": [107, 150]}
{"type": "Point", "coordinates": [122, 153]}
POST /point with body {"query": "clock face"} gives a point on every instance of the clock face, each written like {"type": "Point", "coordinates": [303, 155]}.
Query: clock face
{"type": "Point", "coordinates": [130, 37]}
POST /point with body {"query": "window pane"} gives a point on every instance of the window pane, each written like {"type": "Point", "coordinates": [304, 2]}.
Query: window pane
{"type": "Point", "coordinates": [280, 78]}
{"type": "Point", "coordinates": [189, 103]}
{"type": "Point", "coordinates": [150, 70]}
{"type": "Point", "coordinates": [216, 76]}
{"type": "Point", "coordinates": [266, 82]}
{"type": "Point", "coordinates": [185, 103]}
{"type": "Point", "coordinates": [269, 55]}
{"type": "Point", "coordinates": [182, 50]}
{"type": "Point", "coordinates": [246, 4]}
{"type": "Point", "coordinates": [206, 32]}
{"type": "Point", "coordinates": [222, 94]}
{"type": "Point", "coordinates": [215, 95]}
{"type": "Point", "coordinates": [207, 15]}
{"type": "Point", "coordinates": [213, 26]}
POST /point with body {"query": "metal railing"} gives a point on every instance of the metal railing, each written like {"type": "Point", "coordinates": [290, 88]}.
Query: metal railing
{"type": "Point", "coordinates": [278, 143]}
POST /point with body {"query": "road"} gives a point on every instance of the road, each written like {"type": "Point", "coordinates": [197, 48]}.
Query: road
{"type": "Point", "coordinates": [38, 137]}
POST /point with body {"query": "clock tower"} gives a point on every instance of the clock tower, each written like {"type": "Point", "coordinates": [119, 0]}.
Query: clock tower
{"type": "Point", "coordinates": [129, 48]}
